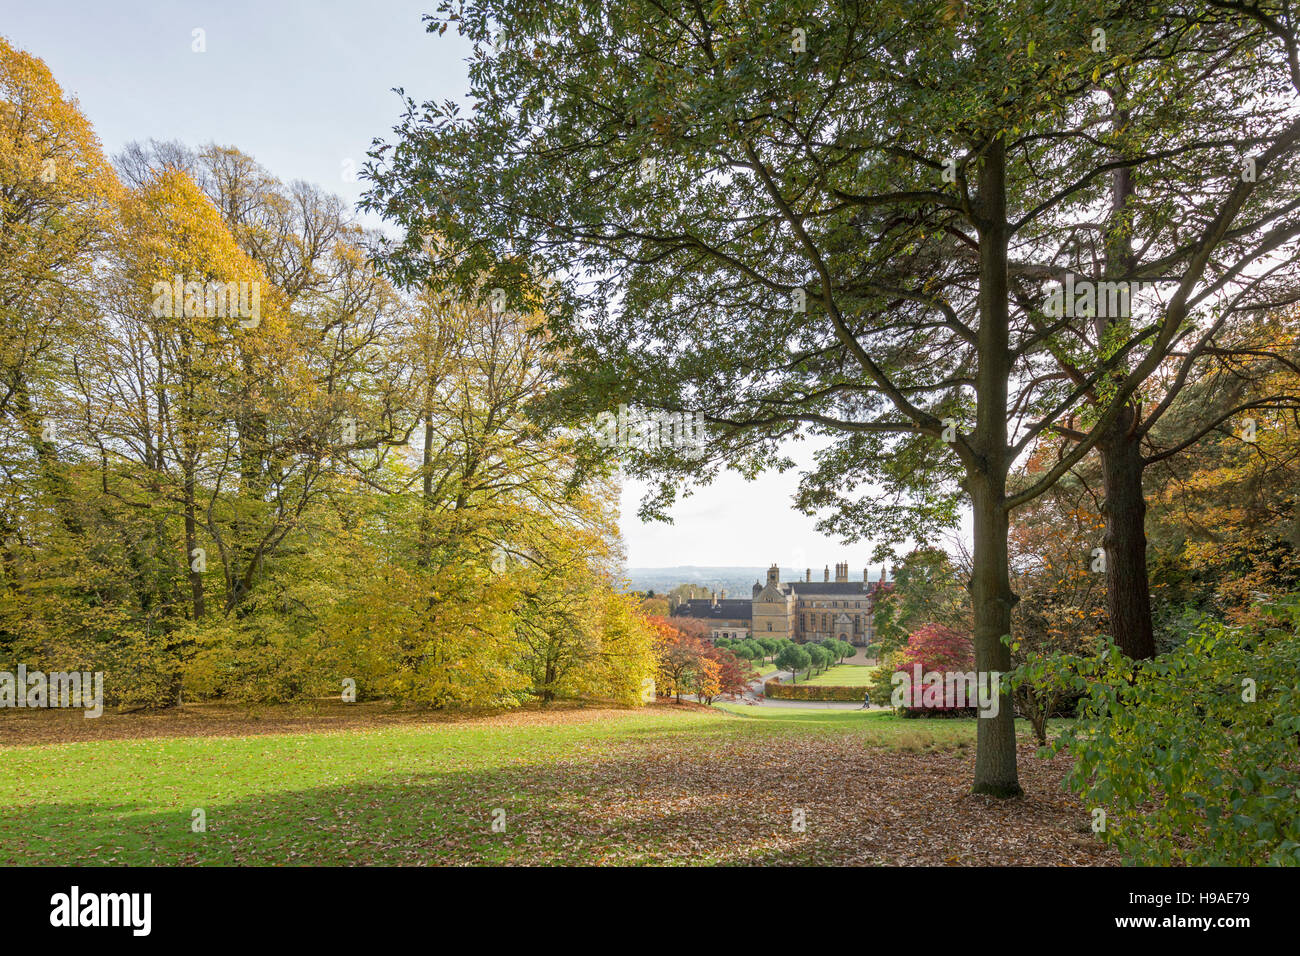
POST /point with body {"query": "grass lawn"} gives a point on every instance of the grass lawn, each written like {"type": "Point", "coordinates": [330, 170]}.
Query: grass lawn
{"type": "Point", "coordinates": [660, 785]}
{"type": "Point", "coordinates": [842, 675]}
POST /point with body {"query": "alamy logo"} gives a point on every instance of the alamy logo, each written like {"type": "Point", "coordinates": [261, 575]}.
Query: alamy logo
{"type": "Point", "coordinates": [56, 689]}
{"type": "Point", "coordinates": [947, 690]}
{"type": "Point", "coordinates": [650, 430]}
{"type": "Point", "coordinates": [103, 909]}
{"type": "Point", "coordinates": [238, 300]}
{"type": "Point", "coordinates": [1088, 298]}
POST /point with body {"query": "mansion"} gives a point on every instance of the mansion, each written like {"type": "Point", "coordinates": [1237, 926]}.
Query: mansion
{"type": "Point", "coordinates": [803, 611]}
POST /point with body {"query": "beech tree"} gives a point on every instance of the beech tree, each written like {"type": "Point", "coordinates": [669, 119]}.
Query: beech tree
{"type": "Point", "coordinates": [57, 199]}
{"type": "Point", "coordinates": [239, 463]}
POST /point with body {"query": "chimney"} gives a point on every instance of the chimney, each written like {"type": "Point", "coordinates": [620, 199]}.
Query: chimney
{"type": "Point", "coordinates": [866, 575]}
{"type": "Point", "coordinates": [807, 575]}
{"type": "Point", "coordinates": [826, 573]}
{"type": "Point", "coordinates": [842, 573]}
{"type": "Point", "coordinates": [723, 595]}
{"type": "Point", "coordinates": [715, 597]}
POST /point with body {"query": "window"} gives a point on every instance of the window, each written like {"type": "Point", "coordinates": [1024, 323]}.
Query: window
{"type": "Point", "coordinates": [769, 625]}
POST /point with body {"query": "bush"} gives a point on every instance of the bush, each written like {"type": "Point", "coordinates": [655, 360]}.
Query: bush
{"type": "Point", "coordinates": [1193, 755]}
{"type": "Point", "coordinates": [779, 691]}
{"type": "Point", "coordinates": [882, 680]}
{"type": "Point", "coordinates": [936, 648]}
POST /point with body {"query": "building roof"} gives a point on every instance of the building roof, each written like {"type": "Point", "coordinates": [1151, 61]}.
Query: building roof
{"type": "Point", "coordinates": [729, 610]}
{"type": "Point", "coordinates": [834, 587]}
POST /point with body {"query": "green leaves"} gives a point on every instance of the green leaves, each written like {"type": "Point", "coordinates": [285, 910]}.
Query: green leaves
{"type": "Point", "coordinates": [1187, 771]}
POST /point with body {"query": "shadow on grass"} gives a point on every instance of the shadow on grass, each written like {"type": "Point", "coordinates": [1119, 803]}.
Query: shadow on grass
{"type": "Point", "coordinates": [731, 804]}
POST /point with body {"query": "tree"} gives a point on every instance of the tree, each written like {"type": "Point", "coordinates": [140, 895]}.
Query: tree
{"type": "Point", "coordinates": [708, 680]}
{"type": "Point", "coordinates": [58, 199]}
{"type": "Point", "coordinates": [927, 587]}
{"type": "Point", "coordinates": [793, 658]}
{"type": "Point", "coordinates": [240, 464]}
{"type": "Point", "coordinates": [1194, 749]}
{"type": "Point", "coordinates": [679, 657]}
{"type": "Point", "coordinates": [1063, 604]}
{"type": "Point", "coordinates": [658, 606]}
{"type": "Point", "coordinates": [818, 656]}
{"type": "Point", "coordinates": [57, 210]}
{"type": "Point", "coordinates": [734, 674]}
{"type": "Point", "coordinates": [1223, 512]}
{"type": "Point", "coordinates": [863, 233]}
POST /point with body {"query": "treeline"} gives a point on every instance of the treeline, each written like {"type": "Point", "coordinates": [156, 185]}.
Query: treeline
{"type": "Point", "coordinates": [239, 463]}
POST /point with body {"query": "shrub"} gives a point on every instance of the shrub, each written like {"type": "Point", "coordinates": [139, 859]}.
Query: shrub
{"type": "Point", "coordinates": [882, 680]}
{"type": "Point", "coordinates": [779, 691]}
{"type": "Point", "coordinates": [936, 648]}
{"type": "Point", "coordinates": [1193, 755]}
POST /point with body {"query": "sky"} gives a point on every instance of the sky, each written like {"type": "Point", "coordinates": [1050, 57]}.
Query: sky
{"type": "Point", "coordinates": [304, 88]}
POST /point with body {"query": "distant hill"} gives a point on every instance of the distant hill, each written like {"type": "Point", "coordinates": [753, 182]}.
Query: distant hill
{"type": "Point", "coordinates": [737, 581]}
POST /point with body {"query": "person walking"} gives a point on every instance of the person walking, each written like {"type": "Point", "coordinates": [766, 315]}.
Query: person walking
{"type": "Point", "coordinates": [866, 700]}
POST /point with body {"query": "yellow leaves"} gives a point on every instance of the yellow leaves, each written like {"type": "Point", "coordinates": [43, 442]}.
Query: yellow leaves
{"type": "Point", "coordinates": [710, 680]}
{"type": "Point", "coordinates": [56, 189]}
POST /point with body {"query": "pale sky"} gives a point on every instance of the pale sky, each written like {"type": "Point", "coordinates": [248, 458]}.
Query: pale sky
{"type": "Point", "coordinates": [304, 88]}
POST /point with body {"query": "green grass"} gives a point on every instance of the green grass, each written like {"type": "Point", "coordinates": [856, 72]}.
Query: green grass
{"type": "Point", "coordinates": [842, 675]}
{"type": "Point", "coordinates": [419, 793]}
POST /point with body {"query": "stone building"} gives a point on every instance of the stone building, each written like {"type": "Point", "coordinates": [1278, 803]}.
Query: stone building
{"type": "Point", "coordinates": [726, 618]}
{"type": "Point", "coordinates": [803, 611]}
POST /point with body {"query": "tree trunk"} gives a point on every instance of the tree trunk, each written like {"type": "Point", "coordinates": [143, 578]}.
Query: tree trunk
{"type": "Point", "coordinates": [986, 473]}
{"type": "Point", "coordinates": [995, 736]}
{"type": "Point", "coordinates": [191, 545]}
{"type": "Point", "coordinates": [1128, 590]}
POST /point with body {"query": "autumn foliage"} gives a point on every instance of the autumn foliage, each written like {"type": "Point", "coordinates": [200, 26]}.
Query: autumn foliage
{"type": "Point", "coordinates": [321, 481]}
{"type": "Point", "coordinates": [688, 663]}
{"type": "Point", "coordinates": [933, 647]}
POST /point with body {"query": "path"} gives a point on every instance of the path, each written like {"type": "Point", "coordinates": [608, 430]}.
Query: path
{"type": "Point", "coordinates": [753, 697]}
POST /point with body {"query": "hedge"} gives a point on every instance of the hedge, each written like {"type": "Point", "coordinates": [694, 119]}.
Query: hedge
{"type": "Point", "coordinates": [778, 691]}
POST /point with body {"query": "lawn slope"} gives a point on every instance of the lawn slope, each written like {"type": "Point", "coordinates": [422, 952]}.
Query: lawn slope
{"type": "Point", "coordinates": [660, 785]}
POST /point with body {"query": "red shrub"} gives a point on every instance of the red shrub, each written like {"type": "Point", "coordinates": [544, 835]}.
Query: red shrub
{"type": "Point", "coordinates": [935, 648]}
